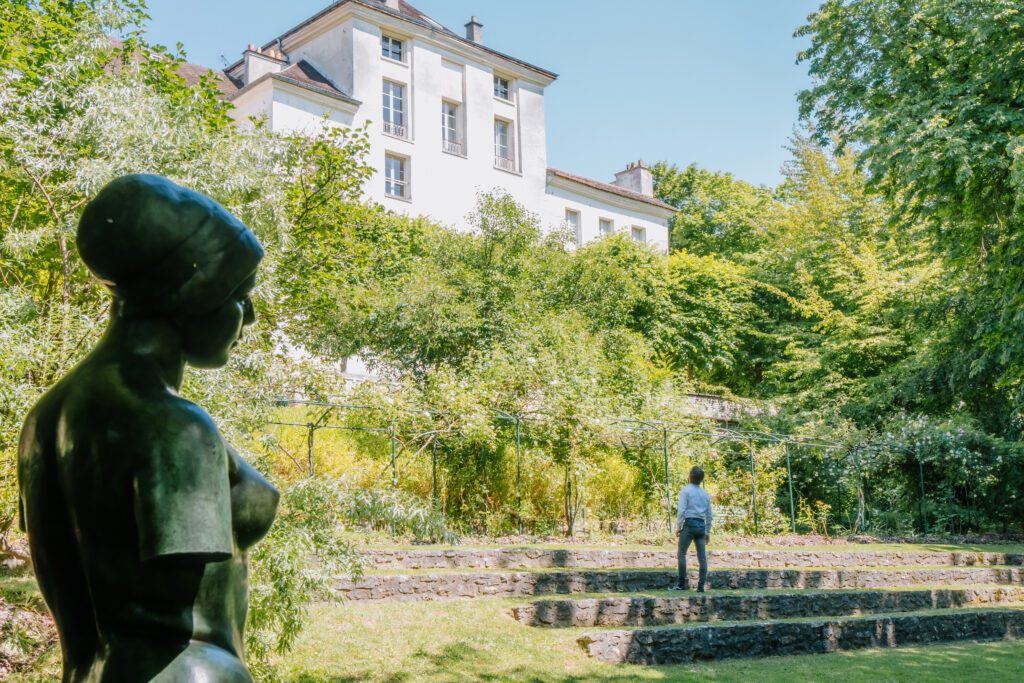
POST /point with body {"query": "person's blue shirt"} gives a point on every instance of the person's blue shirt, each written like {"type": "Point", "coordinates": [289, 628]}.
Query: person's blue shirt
{"type": "Point", "coordinates": [694, 502]}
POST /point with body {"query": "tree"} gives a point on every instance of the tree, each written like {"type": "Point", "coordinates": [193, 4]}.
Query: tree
{"type": "Point", "coordinates": [929, 92]}
{"type": "Point", "coordinates": [78, 109]}
{"type": "Point", "coordinates": [716, 213]}
{"type": "Point", "coordinates": [844, 285]}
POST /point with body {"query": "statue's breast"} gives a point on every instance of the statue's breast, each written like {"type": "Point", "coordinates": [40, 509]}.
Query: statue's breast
{"type": "Point", "coordinates": [253, 501]}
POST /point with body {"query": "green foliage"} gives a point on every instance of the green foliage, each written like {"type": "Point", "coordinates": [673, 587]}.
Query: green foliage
{"type": "Point", "coordinates": [312, 521]}
{"type": "Point", "coordinates": [813, 518]}
{"type": "Point", "coordinates": [77, 110]}
{"type": "Point", "coordinates": [397, 512]}
{"type": "Point", "coordinates": [717, 213]}
{"type": "Point", "coordinates": [929, 93]}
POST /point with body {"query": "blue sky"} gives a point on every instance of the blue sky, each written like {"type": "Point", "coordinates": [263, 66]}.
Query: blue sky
{"type": "Point", "coordinates": [707, 81]}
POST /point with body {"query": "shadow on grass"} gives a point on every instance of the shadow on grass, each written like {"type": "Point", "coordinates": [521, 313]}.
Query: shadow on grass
{"type": "Point", "coordinates": [996, 661]}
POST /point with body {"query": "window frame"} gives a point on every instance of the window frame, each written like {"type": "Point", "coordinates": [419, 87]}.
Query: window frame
{"type": "Point", "coordinates": [507, 162]}
{"type": "Point", "coordinates": [634, 230]}
{"type": "Point", "coordinates": [508, 88]}
{"type": "Point", "coordinates": [393, 41]}
{"type": "Point", "coordinates": [451, 127]}
{"type": "Point", "coordinates": [507, 144]}
{"type": "Point", "coordinates": [388, 109]}
{"type": "Point", "coordinates": [601, 222]}
{"type": "Point", "coordinates": [576, 223]}
{"type": "Point", "coordinates": [402, 182]}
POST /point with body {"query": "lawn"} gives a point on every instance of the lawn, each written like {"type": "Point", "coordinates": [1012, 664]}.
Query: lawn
{"type": "Point", "coordinates": [718, 543]}
{"type": "Point", "coordinates": [477, 641]}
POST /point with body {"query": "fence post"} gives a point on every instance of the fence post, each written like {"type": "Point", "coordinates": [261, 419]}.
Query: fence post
{"type": "Point", "coordinates": [668, 485]}
{"type": "Point", "coordinates": [920, 470]}
{"type": "Point", "coordinates": [519, 490]}
{"type": "Point", "coordinates": [433, 468]}
{"type": "Point", "coordinates": [310, 442]}
{"type": "Point", "coordinates": [861, 516]}
{"type": "Point", "coordinates": [753, 488]}
{"type": "Point", "coordinates": [789, 478]}
{"type": "Point", "coordinates": [394, 456]}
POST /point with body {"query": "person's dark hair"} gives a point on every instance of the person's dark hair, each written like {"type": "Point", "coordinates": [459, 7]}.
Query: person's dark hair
{"type": "Point", "coordinates": [696, 476]}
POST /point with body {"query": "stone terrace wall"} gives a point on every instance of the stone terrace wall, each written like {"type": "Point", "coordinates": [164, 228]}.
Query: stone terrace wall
{"type": "Point", "coordinates": [587, 558]}
{"type": "Point", "coordinates": [519, 584]}
{"type": "Point", "coordinates": [676, 645]}
{"type": "Point", "coordinates": [631, 611]}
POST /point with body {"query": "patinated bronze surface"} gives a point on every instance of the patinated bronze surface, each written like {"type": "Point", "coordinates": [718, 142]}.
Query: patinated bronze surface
{"type": "Point", "coordinates": [138, 513]}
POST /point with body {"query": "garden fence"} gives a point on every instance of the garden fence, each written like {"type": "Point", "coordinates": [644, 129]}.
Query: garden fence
{"type": "Point", "coordinates": [849, 457]}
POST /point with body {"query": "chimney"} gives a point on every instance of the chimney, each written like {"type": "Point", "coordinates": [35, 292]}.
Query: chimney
{"type": "Point", "coordinates": [393, 4]}
{"type": "Point", "coordinates": [636, 178]}
{"type": "Point", "coordinates": [475, 30]}
{"type": "Point", "coordinates": [258, 62]}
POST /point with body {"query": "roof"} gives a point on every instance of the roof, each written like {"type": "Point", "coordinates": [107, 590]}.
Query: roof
{"type": "Point", "coordinates": [193, 72]}
{"type": "Point", "coordinates": [408, 13]}
{"type": "Point", "coordinates": [304, 75]}
{"type": "Point", "coordinates": [613, 189]}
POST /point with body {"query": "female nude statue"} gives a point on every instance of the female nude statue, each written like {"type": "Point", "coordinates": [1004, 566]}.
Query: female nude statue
{"type": "Point", "coordinates": [138, 513]}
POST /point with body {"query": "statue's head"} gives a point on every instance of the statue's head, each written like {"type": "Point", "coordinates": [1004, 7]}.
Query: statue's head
{"type": "Point", "coordinates": [168, 252]}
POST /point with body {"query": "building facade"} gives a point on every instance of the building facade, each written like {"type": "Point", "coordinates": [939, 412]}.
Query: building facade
{"type": "Point", "coordinates": [447, 117]}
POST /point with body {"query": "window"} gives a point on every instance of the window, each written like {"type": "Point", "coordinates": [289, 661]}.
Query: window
{"type": "Point", "coordinates": [395, 182]}
{"type": "Point", "coordinates": [503, 157]}
{"type": "Point", "coordinates": [450, 141]}
{"type": "Point", "coordinates": [391, 48]}
{"type": "Point", "coordinates": [606, 226]}
{"type": "Point", "coordinates": [572, 221]}
{"type": "Point", "coordinates": [394, 109]}
{"type": "Point", "coordinates": [502, 90]}
{"type": "Point", "coordinates": [639, 234]}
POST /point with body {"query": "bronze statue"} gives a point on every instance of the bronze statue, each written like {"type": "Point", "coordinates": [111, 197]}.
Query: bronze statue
{"type": "Point", "coordinates": [138, 513]}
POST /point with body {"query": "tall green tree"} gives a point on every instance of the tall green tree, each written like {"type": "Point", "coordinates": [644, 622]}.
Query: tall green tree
{"type": "Point", "coordinates": [844, 284]}
{"type": "Point", "coordinates": [716, 212]}
{"type": "Point", "coordinates": [930, 94]}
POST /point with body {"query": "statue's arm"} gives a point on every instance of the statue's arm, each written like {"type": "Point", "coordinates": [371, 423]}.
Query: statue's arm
{"type": "Point", "coordinates": [181, 491]}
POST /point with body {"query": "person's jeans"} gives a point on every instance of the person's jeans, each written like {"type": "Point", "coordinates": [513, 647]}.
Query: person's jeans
{"type": "Point", "coordinates": [702, 557]}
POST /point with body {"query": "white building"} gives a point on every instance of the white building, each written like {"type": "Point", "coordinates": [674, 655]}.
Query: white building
{"type": "Point", "coordinates": [448, 117]}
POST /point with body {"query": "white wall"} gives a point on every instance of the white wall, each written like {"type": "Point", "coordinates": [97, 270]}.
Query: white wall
{"type": "Point", "coordinates": [592, 210]}
{"type": "Point", "coordinates": [255, 102]}
{"type": "Point", "coordinates": [331, 54]}
{"type": "Point", "coordinates": [289, 108]}
{"type": "Point", "coordinates": [441, 185]}
{"type": "Point", "coordinates": [296, 110]}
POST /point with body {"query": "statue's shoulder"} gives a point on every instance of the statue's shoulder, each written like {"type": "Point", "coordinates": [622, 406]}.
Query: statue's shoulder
{"type": "Point", "coordinates": [106, 410]}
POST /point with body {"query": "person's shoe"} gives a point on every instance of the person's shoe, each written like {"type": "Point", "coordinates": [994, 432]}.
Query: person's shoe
{"type": "Point", "coordinates": [700, 590]}
{"type": "Point", "coordinates": [677, 588]}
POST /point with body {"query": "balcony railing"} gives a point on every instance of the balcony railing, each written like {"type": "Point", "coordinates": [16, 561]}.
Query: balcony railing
{"type": "Point", "coordinates": [452, 147]}
{"type": "Point", "coordinates": [399, 130]}
{"type": "Point", "coordinates": [505, 164]}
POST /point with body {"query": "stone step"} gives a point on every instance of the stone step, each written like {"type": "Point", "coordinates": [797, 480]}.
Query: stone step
{"type": "Point", "coordinates": [590, 558]}
{"type": "Point", "coordinates": [680, 644]}
{"type": "Point", "coordinates": [440, 586]}
{"type": "Point", "coordinates": [660, 611]}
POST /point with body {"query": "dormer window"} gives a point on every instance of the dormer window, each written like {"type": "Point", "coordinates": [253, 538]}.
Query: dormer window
{"type": "Point", "coordinates": [502, 89]}
{"type": "Point", "coordinates": [391, 48]}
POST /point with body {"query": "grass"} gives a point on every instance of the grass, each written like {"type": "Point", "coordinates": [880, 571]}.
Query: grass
{"type": "Point", "coordinates": [477, 641]}
{"type": "Point", "coordinates": [19, 588]}
{"type": "Point", "coordinates": [671, 568]}
{"type": "Point", "coordinates": [727, 543]}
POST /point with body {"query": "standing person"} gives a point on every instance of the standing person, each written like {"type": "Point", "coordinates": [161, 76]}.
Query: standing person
{"type": "Point", "coordinates": [693, 519]}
